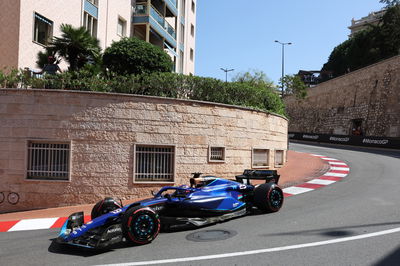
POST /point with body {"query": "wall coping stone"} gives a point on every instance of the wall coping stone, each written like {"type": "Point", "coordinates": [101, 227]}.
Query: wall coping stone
{"type": "Point", "coordinates": [166, 99]}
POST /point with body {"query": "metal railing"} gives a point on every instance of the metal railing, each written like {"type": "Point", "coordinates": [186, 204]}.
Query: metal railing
{"type": "Point", "coordinates": [142, 10]}
{"type": "Point", "coordinates": [48, 161]}
{"type": "Point", "coordinates": [153, 163]}
{"type": "Point", "coordinates": [217, 153]}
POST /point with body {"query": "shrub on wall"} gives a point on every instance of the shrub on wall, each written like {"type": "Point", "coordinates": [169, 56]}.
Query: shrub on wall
{"type": "Point", "coordinates": [134, 56]}
{"type": "Point", "coordinates": [253, 95]}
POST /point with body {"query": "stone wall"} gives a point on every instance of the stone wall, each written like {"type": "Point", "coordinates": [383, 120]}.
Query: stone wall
{"type": "Point", "coordinates": [370, 95]}
{"type": "Point", "coordinates": [103, 130]}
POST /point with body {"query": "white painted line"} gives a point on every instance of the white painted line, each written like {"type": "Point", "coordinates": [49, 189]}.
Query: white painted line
{"type": "Point", "coordinates": [321, 182]}
{"type": "Point", "coordinates": [329, 159]}
{"type": "Point", "coordinates": [33, 224]}
{"type": "Point", "coordinates": [296, 190]}
{"type": "Point", "coordinates": [317, 155]}
{"type": "Point", "coordinates": [335, 174]}
{"type": "Point", "coordinates": [337, 163]}
{"type": "Point", "coordinates": [259, 251]}
{"type": "Point", "coordinates": [340, 168]}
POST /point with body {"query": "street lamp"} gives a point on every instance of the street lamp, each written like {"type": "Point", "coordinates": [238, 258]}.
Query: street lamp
{"type": "Point", "coordinates": [283, 60]}
{"type": "Point", "coordinates": [226, 72]}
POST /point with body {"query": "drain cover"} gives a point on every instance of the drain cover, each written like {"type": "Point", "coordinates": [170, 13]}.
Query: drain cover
{"type": "Point", "coordinates": [211, 235]}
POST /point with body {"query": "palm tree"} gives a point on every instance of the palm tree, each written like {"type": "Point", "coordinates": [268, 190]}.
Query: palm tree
{"type": "Point", "coordinates": [76, 46]}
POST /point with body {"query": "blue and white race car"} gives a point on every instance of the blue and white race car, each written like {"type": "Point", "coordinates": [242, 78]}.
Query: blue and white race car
{"type": "Point", "coordinates": [207, 200]}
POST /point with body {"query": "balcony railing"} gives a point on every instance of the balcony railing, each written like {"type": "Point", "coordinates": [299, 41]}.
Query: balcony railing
{"type": "Point", "coordinates": [173, 2]}
{"type": "Point", "coordinates": [170, 29]}
{"type": "Point", "coordinates": [142, 10]}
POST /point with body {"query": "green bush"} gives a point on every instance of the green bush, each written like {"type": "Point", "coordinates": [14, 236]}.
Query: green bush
{"type": "Point", "coordinates": [256, 95]}
{"type": "Point", "coordinates": [134, 56]}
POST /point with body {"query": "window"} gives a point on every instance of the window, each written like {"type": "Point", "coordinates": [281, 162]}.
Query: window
{"type": "Point", "coordinates": [260, 158]}
{"type": "Point", "coordinates": [193, 7]}
{"type": "Point", "coordinates": [43, 29]}
{"type": "Point", "coordinates": [94, 2]}
{"type": "Point", "coordinates": [216, 154]}
{"type": "Point", "coordinates": [48, 160]}
{"type": "Point", "coordinates": [121, 27]}
{"type": "Point", "coordinates": [279, 157]}
{"type": "Point", "coordinates": [183, 8]}
{"type": "Point", "coordinates": [182, 34]}
{"type": "Point", "coordinates": [181, 62]}
{"type": "Point", "coordinates": [192, 30]}
{"type": "Point", "coordinates": [191, 54]}
{"type": "Point", "coordinates": [154, 163]}
{"type": "Point", "coordinates": [90, 24]}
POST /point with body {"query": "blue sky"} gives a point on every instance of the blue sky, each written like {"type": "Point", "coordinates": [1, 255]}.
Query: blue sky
{"type": "Point", "coordinates": [240, 34]}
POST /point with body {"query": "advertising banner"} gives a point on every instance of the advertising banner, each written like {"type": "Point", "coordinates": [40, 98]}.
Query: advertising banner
{"type": "Point", "coordinates": [383, 142]}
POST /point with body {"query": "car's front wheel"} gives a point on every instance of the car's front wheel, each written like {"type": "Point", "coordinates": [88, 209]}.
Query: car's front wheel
{"type": "Point", "coordinates": [140, 225]}
{"type": "Point", "coordinates": [268, 197]}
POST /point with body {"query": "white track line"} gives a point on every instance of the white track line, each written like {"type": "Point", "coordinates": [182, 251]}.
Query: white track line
{"type": "Point", "coordinates": [259, 251]}
{"type": "Point", "coordinates": [296, 190]}
{"type": "Point", "coordinates": [33, 224]}
{"type": "Point", "coordinates": [318, 181]}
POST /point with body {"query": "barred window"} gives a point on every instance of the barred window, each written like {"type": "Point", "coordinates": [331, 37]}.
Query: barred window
{"type": "Point", "coordinates": [48, 160]}
{"type": "Point", "coordinates": [279, 157]}
{"type": "Point", "coordinates": [216, 154]}
{"type": "Point", "coordinates": [260, 158]}
{"type": "Point", "coordinates": [154, 163]}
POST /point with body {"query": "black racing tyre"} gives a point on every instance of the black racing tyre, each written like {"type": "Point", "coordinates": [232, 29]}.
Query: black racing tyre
{"type": "Point", "coordinates": [140, 225]}
{"type": "Point", "coordinates": [105, 206]}
{"type": "Point", "coordinates": [268, 197]}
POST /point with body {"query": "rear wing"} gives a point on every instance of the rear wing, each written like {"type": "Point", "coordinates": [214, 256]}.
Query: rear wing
{"type": "Point", "coordinates": [267, 175]}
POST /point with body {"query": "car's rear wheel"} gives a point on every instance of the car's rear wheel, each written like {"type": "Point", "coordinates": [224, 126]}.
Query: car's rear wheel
{"type": "Point", "coordinates": [140, 225]}
{"type": "Point", "coordinates": [105, 206]}
{"type": "Point", "coordinates": [268, 197]}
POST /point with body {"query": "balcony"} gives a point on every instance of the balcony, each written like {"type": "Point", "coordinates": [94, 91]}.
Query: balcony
{"type": "Point", "coordinates": [156, 20]}
{"type": "Point", "coordinates": [171, 4]}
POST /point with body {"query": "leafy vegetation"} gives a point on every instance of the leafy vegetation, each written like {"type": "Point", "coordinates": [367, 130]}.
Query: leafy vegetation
{"type": "Point", "coordinates": [253, 94]}
{"type": "Point", "coordinates": [368, 46]}
{"type": "Point", "coordinates": [134, 56]}
{"type": "Point", "coordinates": [76, 46]}
{"type": "Point", "coordinates": [293, 85]}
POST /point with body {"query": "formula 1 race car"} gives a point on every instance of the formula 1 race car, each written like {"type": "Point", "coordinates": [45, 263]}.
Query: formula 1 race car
{"type": "Point", "coordinates": [207, 200]}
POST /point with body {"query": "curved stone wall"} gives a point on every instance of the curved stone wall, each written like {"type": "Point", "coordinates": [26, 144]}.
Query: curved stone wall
{"type": "Point", "coordinates": [103, 129]}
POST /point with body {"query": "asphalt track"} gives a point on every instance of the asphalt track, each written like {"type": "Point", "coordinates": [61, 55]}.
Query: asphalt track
{"type": "Point", "coordinates": [353, 222]}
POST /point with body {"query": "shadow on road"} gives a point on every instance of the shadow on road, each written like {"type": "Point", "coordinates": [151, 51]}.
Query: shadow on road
{"type": "Point", "coordinates": [333, 231]}
{"type": "Point", "coordinates": [80, 251]}
{"type": "Point", "coordinates": [392, 259]}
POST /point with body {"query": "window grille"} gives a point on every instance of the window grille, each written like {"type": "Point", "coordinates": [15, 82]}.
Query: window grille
{"type": "Point", "coordinates": [279, 157]}
{"type": "Point", "coordinates": [154, 163]}
{"type": "Point", "coordinates": [217, 154]}
{"type": "Point", "coordinates": [48, 161]}
{"type": "Point", "coordinates": [260, 158]}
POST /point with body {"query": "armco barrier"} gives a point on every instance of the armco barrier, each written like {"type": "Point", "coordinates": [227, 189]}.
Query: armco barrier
{"type": "Point", "coordinates": [383, 142]}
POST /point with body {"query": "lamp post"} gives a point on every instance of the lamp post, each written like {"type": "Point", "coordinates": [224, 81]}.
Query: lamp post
{"type": "Point", "coordinates": [283, 61]}
{"type": "Point", "coordinates": [226, 70]}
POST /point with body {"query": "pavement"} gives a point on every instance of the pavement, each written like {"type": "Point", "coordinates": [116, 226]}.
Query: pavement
{"type": "Point", "coordinates": [302, 173]}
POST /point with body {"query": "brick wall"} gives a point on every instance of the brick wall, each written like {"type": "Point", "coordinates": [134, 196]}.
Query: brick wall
{"type": "Point", "coordinates": [103, 129]}
{"type": "Point", "coordinates": [371, 94]}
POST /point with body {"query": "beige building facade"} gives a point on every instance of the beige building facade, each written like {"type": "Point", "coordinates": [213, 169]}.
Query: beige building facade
{"type": "Point", "coordinates": [62, 148]}
{"type": "Point", "coordinates": [27, 26]}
